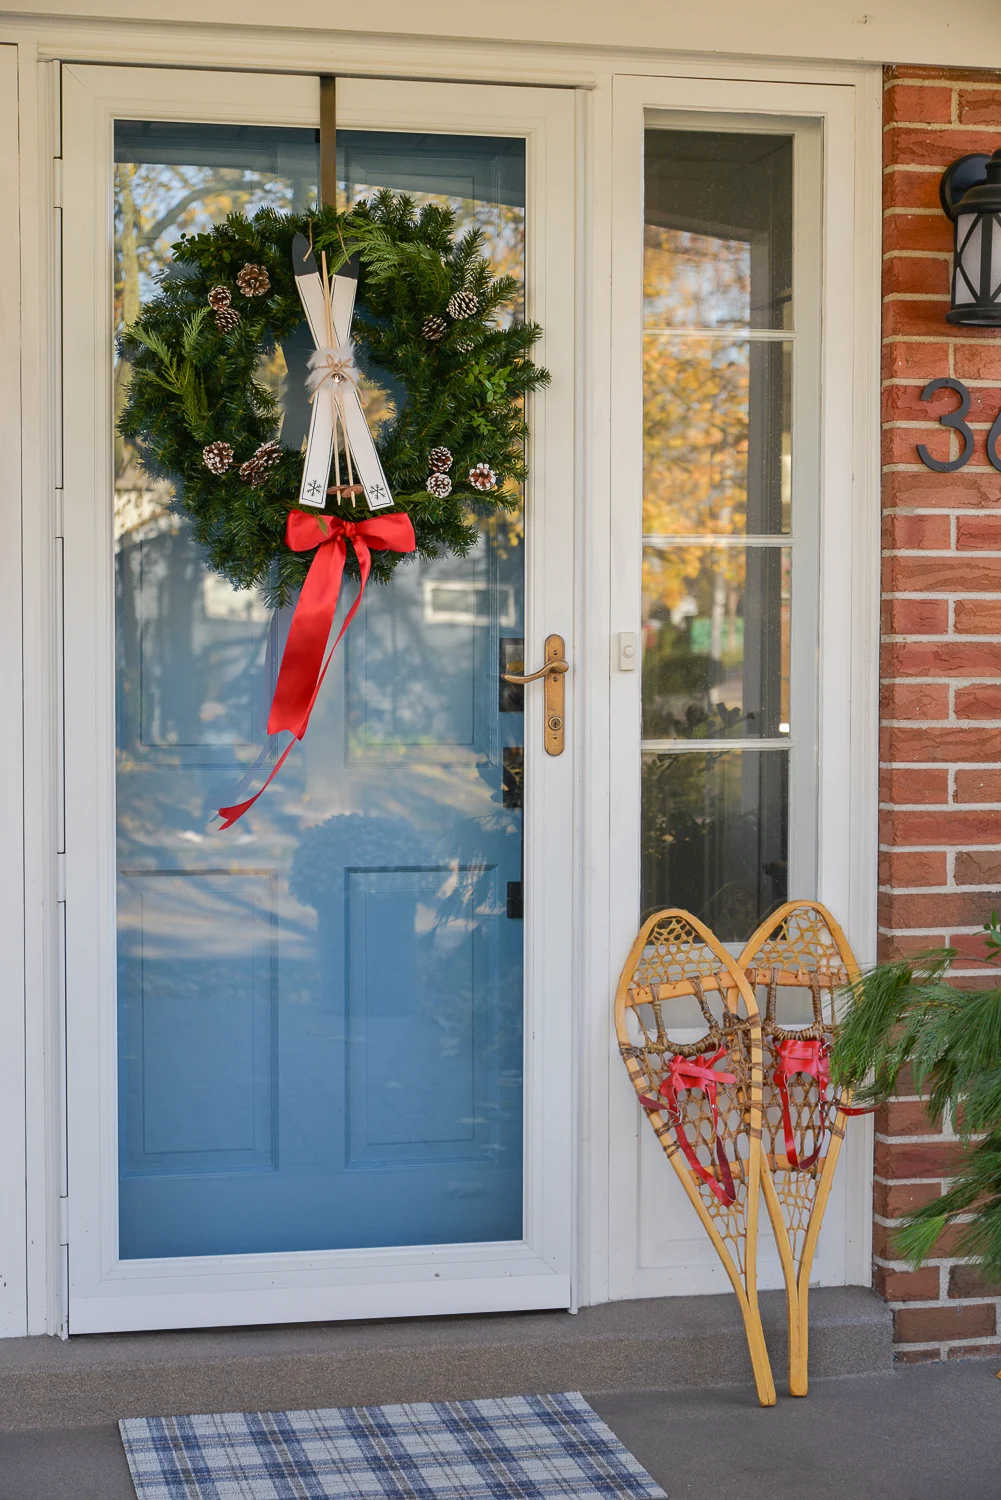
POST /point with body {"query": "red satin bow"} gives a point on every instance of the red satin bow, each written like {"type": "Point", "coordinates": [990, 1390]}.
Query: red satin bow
{"type": "Point", "coordinates": [698, 1073]}
{"type": "Point", "coordinates": [303, 667]}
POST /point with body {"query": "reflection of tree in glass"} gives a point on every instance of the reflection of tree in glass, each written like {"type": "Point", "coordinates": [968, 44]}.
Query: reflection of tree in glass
{"type": "Point", "coordinates": [695, 398]}
{"type": "Point", "coordinates": [687, 590]}
{"type": "Point", "coordinates": [155, 204]}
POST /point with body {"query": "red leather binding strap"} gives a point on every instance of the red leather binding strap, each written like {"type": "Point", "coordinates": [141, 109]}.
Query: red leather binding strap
{"type": "Point", "coordinates": [812, 1056]}
{"type": "Point", "coordinates": [697, 1073]}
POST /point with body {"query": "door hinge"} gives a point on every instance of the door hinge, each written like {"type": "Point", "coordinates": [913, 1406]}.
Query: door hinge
{"type": "Point", "coordinates": [61, 876]}
{"type": "Point", "coordinates": [64, 1221]}
{"type": "Point", "coordinates": [57, 182]}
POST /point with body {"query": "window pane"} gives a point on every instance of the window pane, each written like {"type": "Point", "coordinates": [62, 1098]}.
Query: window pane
{"type": "Point", "coordinates": [715, 642]}
{"type": "Point", "coordinates": [320, 1011]}
{"type": "Point", "coordinates": [718, 226]}
{"type": "Point", "coordinates": [716, 436]}
{"type": "Point", "coordinates": [715, 836]}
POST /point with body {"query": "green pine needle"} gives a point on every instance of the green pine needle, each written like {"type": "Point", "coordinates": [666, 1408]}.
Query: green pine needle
{"type": "Point", "coordinates": [909, 1013]}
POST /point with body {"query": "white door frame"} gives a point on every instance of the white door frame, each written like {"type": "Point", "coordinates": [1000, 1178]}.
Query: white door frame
{"type": "Point", "coordinates": [106, 1293]}
{"type": "Point", "coordinates": [847, 686]}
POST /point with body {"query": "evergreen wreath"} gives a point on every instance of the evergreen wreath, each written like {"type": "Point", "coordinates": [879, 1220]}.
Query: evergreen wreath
{"type": "Point", "coordinates": [425, 315]}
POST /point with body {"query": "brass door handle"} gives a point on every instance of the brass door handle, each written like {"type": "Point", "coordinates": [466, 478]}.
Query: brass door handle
{"type": "Point", "coordinates": [555, 669]}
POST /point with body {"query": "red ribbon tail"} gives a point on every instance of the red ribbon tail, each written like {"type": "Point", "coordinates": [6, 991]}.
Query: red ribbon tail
{"type": "Point", "coordinates": [231, 815]}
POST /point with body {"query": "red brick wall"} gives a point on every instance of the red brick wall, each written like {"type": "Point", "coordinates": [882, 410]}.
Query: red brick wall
{"type": "Point", "coordinates": [940, 793]}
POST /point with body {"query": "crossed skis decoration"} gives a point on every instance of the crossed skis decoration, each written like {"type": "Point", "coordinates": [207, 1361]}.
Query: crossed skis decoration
{"type": "Point", "coordinates": [337, 419]}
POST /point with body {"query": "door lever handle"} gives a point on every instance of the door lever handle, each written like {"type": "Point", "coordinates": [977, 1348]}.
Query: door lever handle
{"type": "Point", "coordinates": [555, 669]}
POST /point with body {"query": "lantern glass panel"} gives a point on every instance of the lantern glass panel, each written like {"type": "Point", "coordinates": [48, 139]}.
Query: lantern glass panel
{"type": "Point", "coordinates": [969, 229]}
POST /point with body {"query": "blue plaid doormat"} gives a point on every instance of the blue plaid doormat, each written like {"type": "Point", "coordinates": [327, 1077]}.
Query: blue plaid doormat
{"type": "Point", "coordinates": [529, 1447]}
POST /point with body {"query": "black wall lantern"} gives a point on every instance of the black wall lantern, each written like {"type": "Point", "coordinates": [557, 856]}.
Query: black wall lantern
{"type": "Point", "coordinates": [971, 196]}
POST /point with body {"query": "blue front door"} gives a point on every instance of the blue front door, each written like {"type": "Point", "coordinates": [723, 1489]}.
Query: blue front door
{"type": "Point", "coordinates": [320, 1010]}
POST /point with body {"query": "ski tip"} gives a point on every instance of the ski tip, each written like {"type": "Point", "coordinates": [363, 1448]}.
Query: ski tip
{"type": "Point", "coordinates": [350, 268]}
{"type": "Point", "coordinates": [303, 259]}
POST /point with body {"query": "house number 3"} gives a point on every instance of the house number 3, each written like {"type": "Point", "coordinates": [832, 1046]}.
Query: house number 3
{"type": "Point", "coordinates": [957, 421]}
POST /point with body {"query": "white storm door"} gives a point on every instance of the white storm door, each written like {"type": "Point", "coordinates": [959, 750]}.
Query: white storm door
{"type": "Point", "coordinates": [741, 558]}
{"type": "Point", "coordinates": [318, 1064]}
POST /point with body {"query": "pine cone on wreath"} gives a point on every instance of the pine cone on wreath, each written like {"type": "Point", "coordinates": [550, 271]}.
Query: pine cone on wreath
{"type": "Point", "coordinates": [440, 460]}
{"type": "Point", "coordinates": [219, 297]}
{"type": "Point", "coordinates": [253, 281]}
{"type": "Point", "coordinates": [461, 305]}
{"type": "Point", "coordinates": [439, 485]}
{"type": "Point", "coordinates": [226, 319]}
{"type": "Point", "coordinates": [434, 328]}
{"type": "Point", "coordinates": [255, 469]}
{"type": "Point", "coordinates": [482, 477]}
{"type": "Point", "coordinates": [269, 453]}
{"type": "Point", "coordinates": [252, 472]}
{"type": "Point", "coordinates": [217, 457]}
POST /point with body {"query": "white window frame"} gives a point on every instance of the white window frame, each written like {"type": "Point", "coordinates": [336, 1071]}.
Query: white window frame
{"type": "Point", "coordinates": [842, 790]}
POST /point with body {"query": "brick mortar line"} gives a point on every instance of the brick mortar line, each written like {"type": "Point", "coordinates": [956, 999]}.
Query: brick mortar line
{"type": "Point", "coordinates": [961, 341]}
{"type": "Point", "coordinates": [909, 1182]}
{"type": "Point", "coordinates": [914, 1140]}
{"type": "Point", "coordinates": [965, 1219]}
{"type": "Point", "coordinates": [926, 848]}
{"type": "Point", "coordinates": [938, 765]}
{"type": "Point", "coordinates": [923, 1304]}
{"type": "Point", "coordinates": [935, 890]}
{"type": "Point", "coordinates": [938, 806]}
{"type": "Point", "coordinates": [940, 126]}
{"type": "Point", "coordinates": [936, 1263]}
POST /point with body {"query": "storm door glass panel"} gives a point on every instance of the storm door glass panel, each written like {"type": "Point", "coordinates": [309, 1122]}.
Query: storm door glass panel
{"type": "Point", "coordinates": [719, 348]}
{"type": "Point", "coordinates": [320, 1011]}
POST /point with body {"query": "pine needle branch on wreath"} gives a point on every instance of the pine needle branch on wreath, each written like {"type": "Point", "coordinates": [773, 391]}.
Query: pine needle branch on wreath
{"type": "Point", "coordinates": [195, 384]}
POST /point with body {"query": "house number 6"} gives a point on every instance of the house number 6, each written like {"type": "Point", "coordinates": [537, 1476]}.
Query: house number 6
{"type": "Point", "coordinates": [956, 420]}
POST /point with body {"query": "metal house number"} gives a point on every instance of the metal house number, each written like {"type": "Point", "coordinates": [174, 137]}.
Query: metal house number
{"type": "Point", "coordinates": [956, 420]}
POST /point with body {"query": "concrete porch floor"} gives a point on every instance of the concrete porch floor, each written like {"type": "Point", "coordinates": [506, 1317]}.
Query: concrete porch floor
{"type": "Point", "coordinates": [929, 1432]}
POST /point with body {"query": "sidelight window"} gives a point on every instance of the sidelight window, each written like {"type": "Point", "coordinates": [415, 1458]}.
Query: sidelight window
{"type": "Point", "coordinates": [729, 499]}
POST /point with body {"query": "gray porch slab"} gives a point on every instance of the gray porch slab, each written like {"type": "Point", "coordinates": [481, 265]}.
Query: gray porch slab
{"type": "Point", "coordinates": [660, 1344]}
{"type": "Point", "coordinates": [917, 1433]}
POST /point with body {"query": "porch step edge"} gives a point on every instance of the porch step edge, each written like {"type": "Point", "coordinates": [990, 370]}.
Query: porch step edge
{"type": "Point", "coordinates": [652, 1344]}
